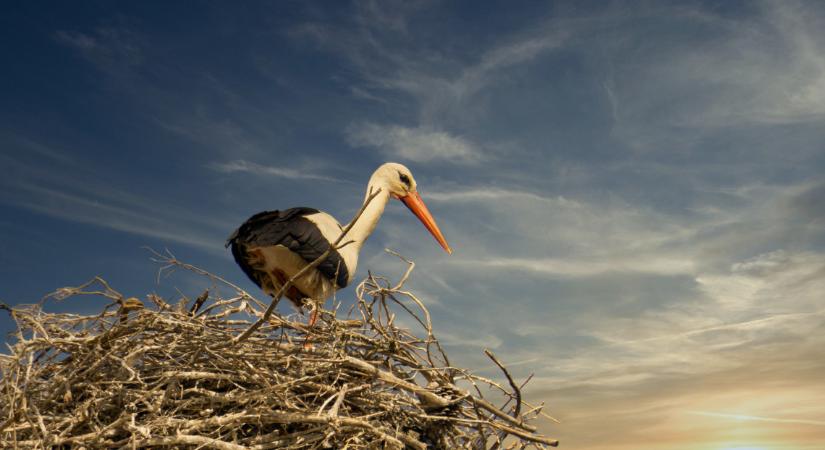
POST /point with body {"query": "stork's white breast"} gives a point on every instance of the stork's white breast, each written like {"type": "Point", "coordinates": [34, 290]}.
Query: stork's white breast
{"type": "Point", "coordinates": [331, 230]}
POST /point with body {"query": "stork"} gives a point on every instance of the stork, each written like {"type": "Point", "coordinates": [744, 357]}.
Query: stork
{"type": "Point", "coordinates": [272, 246]}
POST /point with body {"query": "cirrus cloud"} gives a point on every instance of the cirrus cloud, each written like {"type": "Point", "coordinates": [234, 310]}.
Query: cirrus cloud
{"type": "Point", "coordinates": [421, 144]}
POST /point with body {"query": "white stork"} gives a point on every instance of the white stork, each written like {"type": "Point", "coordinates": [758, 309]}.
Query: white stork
{"type": "Point", "coordinates": [272, 246]}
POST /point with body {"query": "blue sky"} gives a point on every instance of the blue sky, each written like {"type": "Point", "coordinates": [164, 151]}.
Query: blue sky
{"type": "Point", "coordinates": [633, 190]}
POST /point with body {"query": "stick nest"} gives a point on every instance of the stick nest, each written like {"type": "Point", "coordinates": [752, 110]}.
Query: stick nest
{"type": "Point", "coordinates": [153, 374]}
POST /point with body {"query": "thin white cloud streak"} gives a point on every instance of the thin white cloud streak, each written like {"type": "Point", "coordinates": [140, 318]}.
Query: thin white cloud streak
{"type": "Point", "coordinates": [521, 49]}
{"type": "Point", "coordinates": [39, 148]}
{"type": "Point", "coordinates": [770, 323]}
{"type": "Point", "coordinates": [485, 194]}
{"type": "Point", "coordinates": [121, 217]}
{"type": "Point", "coordinates": [763, 263]}
{"type": "Point", "coordinates": [419, 145]}
{"type": "Point", "coordinates": [70, 192]}
{"type": "Point", "coordinates": [108, 48]}
{"type": "Point", "coordinates": [571, 267]}
{"type": "Point", "coordinates": [90, 211]}
{"type": "Point", "coordinates": [742, 417]}
{"type": "Point", "coordinates": [243, 166]}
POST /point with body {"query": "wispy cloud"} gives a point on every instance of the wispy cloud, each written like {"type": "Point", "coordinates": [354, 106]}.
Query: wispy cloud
{"type": "Point", "coordinates": [71, 192]}
{"type": "Point", "coordinates": [37, 148]}
{"type": "Point", "coordinates": [108, 48]}
{"type": "Point", "coordinates": [437, 89]}
{"type": "Point", "coordinates": [679, 92]}
{"type": "Point", "coordinates": [419, 145]}
{"type": "Point", "coordinates": [771, 323]}
{"type": "Point", "coordinates": [128, 218]}
{"type": "Point", "coordinates": [746, 418]}
{"type": "Point", "coordinates": [520, 49]}
{"type": "Point", "coordinates": [470, 194]}
{"type": "Point", "coordinates": [243, 166]}
{"type": "Point", "coordinates": [583, 268]}
{"type": "Point", "coordinates": [569, 236]}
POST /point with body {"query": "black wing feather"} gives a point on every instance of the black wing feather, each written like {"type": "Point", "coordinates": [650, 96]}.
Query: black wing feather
{"type": "Point", "coordinates": [294, 231]}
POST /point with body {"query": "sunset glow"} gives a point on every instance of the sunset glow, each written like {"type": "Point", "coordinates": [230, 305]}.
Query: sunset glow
{"type": "Point", "coordinates": [744, 448]}
{"type": "Point", "coordinates": [746, 418]}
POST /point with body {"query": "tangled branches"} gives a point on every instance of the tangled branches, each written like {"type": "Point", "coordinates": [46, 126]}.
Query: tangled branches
{"type": "Point", "coordinates": [153, 374]}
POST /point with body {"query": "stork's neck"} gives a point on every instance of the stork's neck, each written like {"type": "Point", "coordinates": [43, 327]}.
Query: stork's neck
{"type": "Point", "coordinates": [365, 224]}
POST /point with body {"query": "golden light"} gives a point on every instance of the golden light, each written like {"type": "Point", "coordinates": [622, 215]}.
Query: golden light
{"type": "Point", "coordinates": [743, 448]}
{"type": "Point", "coordinates": [748, 418]}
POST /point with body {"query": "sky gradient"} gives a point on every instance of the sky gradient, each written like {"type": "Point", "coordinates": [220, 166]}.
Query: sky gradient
{"type": "Point", "coordinates": [633, 191]}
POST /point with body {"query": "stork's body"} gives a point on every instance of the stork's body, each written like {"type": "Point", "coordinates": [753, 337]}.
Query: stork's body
{"type": "Point", "coordinates": [272, 246]}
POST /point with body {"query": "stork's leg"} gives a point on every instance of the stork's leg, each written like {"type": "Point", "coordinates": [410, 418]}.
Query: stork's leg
{"type": "Point", "coordinates": [313, 319]}
{"type": "Point", "coordinates": [313, 316]}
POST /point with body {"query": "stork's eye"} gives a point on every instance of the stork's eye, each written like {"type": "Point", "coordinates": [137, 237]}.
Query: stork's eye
{"type": "Point", "coordinates": [404, 179]}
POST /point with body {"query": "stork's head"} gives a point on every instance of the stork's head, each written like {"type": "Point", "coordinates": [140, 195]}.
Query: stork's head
{"type": "Point", "coordinates": [394, 178]}
{"type": "Point", "coordinates": [399, 182]}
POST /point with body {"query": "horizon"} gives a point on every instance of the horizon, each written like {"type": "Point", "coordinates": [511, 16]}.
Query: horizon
{"type": "Point", "coordinates": [632, 190]}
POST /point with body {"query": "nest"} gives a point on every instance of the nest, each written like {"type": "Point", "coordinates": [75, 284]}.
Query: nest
{"type": "Point", "coordinates": [192, 375]}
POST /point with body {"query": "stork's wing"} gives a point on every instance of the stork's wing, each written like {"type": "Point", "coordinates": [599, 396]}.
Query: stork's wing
{"type": "Point", "coordinates": [294, 231]}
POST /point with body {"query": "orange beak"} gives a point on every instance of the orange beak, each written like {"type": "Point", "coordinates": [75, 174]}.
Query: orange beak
{"type": "Point", "coordinates": [417, 206]}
